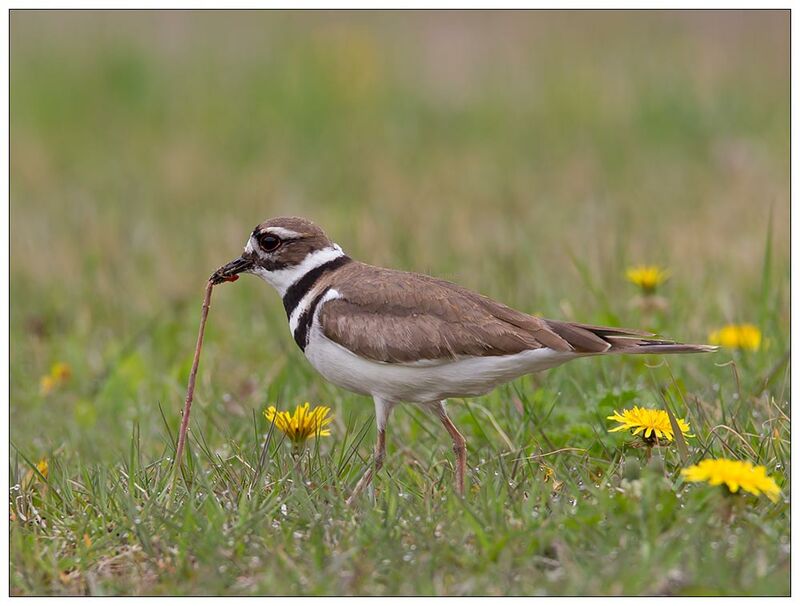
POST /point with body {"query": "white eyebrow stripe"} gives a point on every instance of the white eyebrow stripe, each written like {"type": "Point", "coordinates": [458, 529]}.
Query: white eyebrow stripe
{"type": "Point", "coordinates": [282, 232]}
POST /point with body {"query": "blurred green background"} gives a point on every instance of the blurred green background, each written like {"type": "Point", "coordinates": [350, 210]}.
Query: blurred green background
{"type": "Point", "coordinates": [490, 148]}
{"type": "Point", "coordinates": [532, 156]}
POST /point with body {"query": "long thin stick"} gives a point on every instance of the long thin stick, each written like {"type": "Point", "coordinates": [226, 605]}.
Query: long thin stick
{"type": "Point", "coordinates": [187, 407]}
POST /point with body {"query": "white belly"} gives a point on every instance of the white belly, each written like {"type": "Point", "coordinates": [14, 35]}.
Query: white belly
{"type": "Point", "coordinates": [427, 381]}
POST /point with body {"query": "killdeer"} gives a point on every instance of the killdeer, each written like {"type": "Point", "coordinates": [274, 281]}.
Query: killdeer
{"type": "Point", "coordinates": [406, 337]}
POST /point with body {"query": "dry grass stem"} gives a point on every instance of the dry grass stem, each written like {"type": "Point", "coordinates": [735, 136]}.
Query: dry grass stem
{"type": "Point", "coordinates": [187, 406]}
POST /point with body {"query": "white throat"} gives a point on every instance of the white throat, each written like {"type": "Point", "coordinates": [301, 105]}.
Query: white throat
{"type": "Point", "coordinates": [282, 279]}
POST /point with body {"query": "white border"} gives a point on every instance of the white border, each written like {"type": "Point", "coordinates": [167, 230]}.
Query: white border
{"type": "Point", "coordinates": [5, 354]}
{"type": "Point", "coordinates": [401, 4]}
{"type": "Point", "coordinates": [353, 4]}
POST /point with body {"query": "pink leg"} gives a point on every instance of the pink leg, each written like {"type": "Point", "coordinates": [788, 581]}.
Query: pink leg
{"type": "Point", "coordinates": [382, 410]}
{"type": "Point", "coordinates": [459, 445]}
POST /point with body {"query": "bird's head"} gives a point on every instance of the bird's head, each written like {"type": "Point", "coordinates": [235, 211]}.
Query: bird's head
{"type": "Point", "coordinates": [280, 250]}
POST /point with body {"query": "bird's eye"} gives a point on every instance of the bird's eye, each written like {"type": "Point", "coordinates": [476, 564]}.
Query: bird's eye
{"type": "Point", "coordinates": [269, 242]}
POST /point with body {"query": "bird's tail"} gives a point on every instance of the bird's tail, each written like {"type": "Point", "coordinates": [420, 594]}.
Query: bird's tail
{"type": "Point", "coordinates": [585, 338]}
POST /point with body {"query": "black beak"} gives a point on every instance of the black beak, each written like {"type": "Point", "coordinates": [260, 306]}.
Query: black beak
{"type": "Point", "coordinates": [231, 271]}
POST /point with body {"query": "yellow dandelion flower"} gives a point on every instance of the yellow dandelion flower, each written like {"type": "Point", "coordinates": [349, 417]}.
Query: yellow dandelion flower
{"type": "Point", "coordinates": [31, 477]}
{"type": "Point", "coordinates": [647, 277]}
{"type": "Point", "coordinates": [652, 424]}
{"type": "Point", "coordinates": [46, 385]}
{"type": "Point", "coordinates": [735, 475]}
{"type": "Point", "coordinates": [43, 467]}
{"type": "Point", "coordinates": [303, 423]}
{"type": "Point", "coordinates": [61, 371]}
{"type": "Point", "coordinates": [737, 336]}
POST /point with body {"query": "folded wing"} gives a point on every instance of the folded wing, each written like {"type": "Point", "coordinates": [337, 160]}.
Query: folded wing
{"type": "Point", "coordinates": [400, 317]}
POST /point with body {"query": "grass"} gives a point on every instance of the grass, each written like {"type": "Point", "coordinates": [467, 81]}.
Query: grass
{"type": "Point", "coordinates": [532, 157]}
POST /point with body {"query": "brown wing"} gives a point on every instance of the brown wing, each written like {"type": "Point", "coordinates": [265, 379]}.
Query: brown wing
{"type": "Point", "coordinates": [395, 316]}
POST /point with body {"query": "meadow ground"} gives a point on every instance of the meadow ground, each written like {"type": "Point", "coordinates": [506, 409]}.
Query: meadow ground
{"type": "Point", "coordinates": [530, 156]}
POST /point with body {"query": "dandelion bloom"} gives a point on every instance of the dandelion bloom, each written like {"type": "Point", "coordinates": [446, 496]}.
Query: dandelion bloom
{"type": "Point", "coordinates": [737, 336]}
{"type": "Point", "coordinates": [59, 374]}
{"type": "Point", "coordinates": [46, 385]}
{"type": "Point", "coordinates": [43, 467]}
{"type": "Point", "coordinates": [61, 371]}
{"type": "Point", "coordinates": [735, 475]}
{"type": "Point", "coordinates": [303, 424]}
{"type": "Point", "coordinates": [652, 424]}
{"type": "Point", "coordinates": [647, 277]}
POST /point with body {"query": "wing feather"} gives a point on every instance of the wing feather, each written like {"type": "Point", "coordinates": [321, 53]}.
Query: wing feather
{"type": "Point", "coordinates": [400, 317]}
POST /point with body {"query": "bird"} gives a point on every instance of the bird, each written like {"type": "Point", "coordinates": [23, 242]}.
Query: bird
{"type": "Point", "coordinates": [403, 337]}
